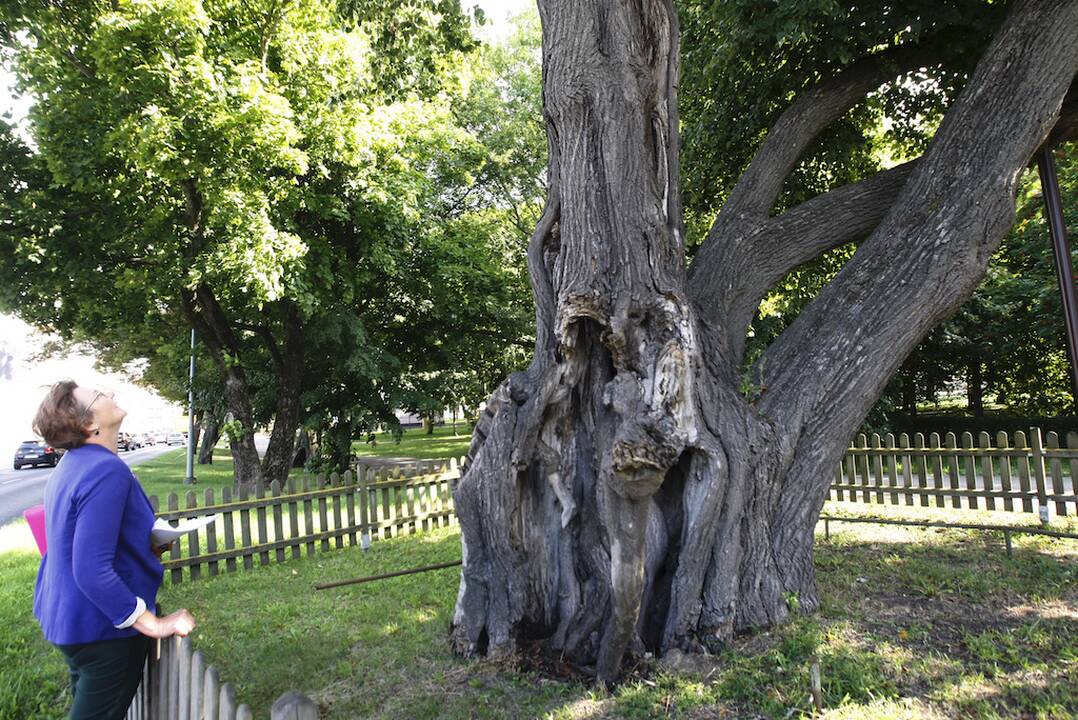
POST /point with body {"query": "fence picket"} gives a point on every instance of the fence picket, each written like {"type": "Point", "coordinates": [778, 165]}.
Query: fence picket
{"type": "Point", "coordinates": [160, 676]}
{"type": "Point", "coordinates": [278, 518]}
{"type": "Point", "coordinates": [877, 468]}
{"type": "Point", "coordinates": [176, 575]}
{"type": "Point", "coordinates": [410, 502]}
{"type": "Point", "coordinates": [861, 474]}
{"type": "Point", "coordinates": [293, 519]}
{"type": "Point", "coordinates": [969, 468]}
{"type": "Point", "coordinates": [907, 468]}
{"type": "Point", "coordinates": [293, 706]}
{"type": "Point", "coordinates": [1058, 489]}
{"type": "Point", "coordinates": [350, 506]}
{"type": "Point", "coordinates": [1038, 472]}
{"type": "Point", "coordinates": [263, 530]}
{"type": "Point", "coordinates": [211, 534]}
{"type": "Point", "coordinates": [921, 467]}
{"type": "Point", "coordinates": [398, 512]}
{"type": "Point", "coordinates": [198, 676]}
{"type": "Point", "coordinates": [1006, 482]}
{"type": "Point", "coordinates": [194, 547]}
{"type": "Point", "coordinates": [365, 507]}
{"type": "Point", "coordinates": [1072, 444]}
{"type": "Point", "coordinates": [227, 703]}
{"type": "Point", "coordinates": [245, 529]}
{"type": "Point", "coordinates": [308, 516]}
{"type": "Point", "coordinates": [335, 481]}
{"type": "Point", "coordinates": [951, 443]}
{"type": "Point", "coordinates": [988, 472]}
{"type": "Point", "coordinates": [172, 668]}
{"type": "Point", "coordinates": [230, 529]}
{"type": "Point", "coordinates": [839, 481]}
{"type": "Point", "coordinates": [891, 461]}
{"type": "Point", "coordinates": [937, 468]}
{"type": "Point", "coordinates": [211, 697]}
{"type": "Point", "coordinates": [183, 678]}
{"type": "Point", "coordinates": [1024, 461]}
{"type": "Point", "coordinates": [323, 518]}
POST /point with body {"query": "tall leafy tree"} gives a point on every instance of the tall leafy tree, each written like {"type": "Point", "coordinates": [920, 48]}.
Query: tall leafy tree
{"type": "Point", "coordinates": [259, 169]}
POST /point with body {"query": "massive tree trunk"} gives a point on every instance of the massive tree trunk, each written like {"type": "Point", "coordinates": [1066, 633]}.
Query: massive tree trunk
{"type": "Point", "coordinates": [209, 440]}
{"type": "Point", "coordinates": [246, 467]}
{"type": "Point", "coordinates": [623, 493]}
{"type": "Point", "coordinates": [208, 318]}
{"type": "Point", "coordinates": [288, 365]}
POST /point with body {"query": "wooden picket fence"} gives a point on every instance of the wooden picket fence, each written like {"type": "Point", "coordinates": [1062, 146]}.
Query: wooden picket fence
{"type": "Point", "coordinates": [178, 684]}
{"type": "Point", "coordinates": [257, 525]}
{"type": "Point", "coordinates": [1023, 474]}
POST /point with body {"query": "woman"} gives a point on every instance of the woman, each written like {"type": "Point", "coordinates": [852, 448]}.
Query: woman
{"type": "Point", "coordinates": [97, 587]}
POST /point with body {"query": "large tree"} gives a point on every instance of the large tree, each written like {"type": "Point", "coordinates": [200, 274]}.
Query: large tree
{"type": "Point", "coordinates": [628, 490]}
{"type": "Point", "coordinates": [265, 172]}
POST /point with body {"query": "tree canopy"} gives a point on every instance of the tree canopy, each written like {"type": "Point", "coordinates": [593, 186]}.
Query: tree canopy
{"type": "Point", "coordinates": [291, 181]}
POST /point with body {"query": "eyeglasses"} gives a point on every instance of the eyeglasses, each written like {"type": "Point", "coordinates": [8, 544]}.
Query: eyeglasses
{"type": "Point", "coordinates": [97, 393]}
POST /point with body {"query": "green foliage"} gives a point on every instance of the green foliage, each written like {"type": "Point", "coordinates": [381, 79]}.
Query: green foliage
{"type": "Point", "coordinates": [1012, 326]}
{"type": "Point", "coordinates": [295, 162]}
{"type": "Point", "coordinates": [743, 63]}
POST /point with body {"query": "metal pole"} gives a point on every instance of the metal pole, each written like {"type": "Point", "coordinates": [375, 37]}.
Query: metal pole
{"type": "Point", "coordinates": [385, 576]}
{"type": "Point", "coordinates": [189, 479]}
{"type": "Point", "coordinates": [1053, 208]}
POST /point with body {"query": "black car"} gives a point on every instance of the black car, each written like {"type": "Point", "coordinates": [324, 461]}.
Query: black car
{"type": "Point", "coordinates": [34, 453]}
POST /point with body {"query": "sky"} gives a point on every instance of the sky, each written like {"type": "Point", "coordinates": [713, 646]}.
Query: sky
{"type": "Point", "coordinates": [24, 378]}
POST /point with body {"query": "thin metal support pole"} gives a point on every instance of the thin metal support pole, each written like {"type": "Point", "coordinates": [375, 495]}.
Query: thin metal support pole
{"type": "Point", "coordinates": [1053, 209]}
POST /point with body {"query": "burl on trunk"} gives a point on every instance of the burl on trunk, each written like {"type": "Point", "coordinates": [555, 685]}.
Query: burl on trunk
{"type": "Point", "coordinates": [623, 493]}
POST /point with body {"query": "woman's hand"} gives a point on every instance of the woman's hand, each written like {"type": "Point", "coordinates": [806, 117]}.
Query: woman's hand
{"type": "Point", "coordinates": [160, 550]}
{"type": "Point", "coordinates": [182, 622]}
{"type": "Point", "coordinates": [178, 623]}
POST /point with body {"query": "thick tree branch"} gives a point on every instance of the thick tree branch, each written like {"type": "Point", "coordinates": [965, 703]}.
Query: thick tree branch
{"type": "Point", "coordinates": [269, 341]}
{"type": "Point", "coordinates": [828, 368]}
{"type": "Point", "coordinates": [830, 220]}
{"type": "Point", "coordinates": [728, 273]}
{"type": "Point", "coordinates": [1066, 128]}
{"type": "Point", "coordinates": [810, 113]}
{"type": "Point", "coordinates": [783, 243]}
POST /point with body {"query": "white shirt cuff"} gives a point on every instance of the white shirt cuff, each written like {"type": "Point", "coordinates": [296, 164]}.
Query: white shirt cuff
{"type": "Point", "coordinates": [140, 607]}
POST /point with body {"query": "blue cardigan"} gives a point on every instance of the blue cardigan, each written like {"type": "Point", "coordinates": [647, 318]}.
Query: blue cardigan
{"type": "Point", "coordinates": [99, 573]}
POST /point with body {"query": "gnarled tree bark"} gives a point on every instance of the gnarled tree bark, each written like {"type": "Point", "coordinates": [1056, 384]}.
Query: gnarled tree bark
{"type": "Point", "coordinates": [623, 493]}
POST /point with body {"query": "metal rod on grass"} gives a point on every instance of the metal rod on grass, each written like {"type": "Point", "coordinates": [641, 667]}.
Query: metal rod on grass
{"type": "Point", "coordinates": [384, 576]}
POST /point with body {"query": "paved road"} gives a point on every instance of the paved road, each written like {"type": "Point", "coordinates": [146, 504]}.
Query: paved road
{"type": "Point", "coordinates": [20, 489]}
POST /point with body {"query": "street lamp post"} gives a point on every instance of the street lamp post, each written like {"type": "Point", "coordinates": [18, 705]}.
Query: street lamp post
{"type": "Point", "coordinates": [189, 479]}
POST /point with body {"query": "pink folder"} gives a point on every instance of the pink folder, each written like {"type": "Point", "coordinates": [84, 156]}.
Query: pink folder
{"type": "Point", "coordinates": [35, 518]}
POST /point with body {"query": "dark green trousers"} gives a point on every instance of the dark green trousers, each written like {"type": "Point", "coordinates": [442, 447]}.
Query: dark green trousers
{"type": "Point", "coordinates": [105, 676]}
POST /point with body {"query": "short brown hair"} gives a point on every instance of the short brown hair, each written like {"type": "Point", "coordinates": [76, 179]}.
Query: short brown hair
{"type": "Point", "coordinates": [61, 419]}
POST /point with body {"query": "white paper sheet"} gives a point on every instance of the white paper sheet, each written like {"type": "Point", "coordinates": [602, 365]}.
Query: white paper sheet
{"type": "Point", "coordinates": [163, 533]}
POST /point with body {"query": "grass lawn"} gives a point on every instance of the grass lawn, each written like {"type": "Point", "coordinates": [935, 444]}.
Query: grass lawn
{"type": "Point", "coordinates": [164, 474]}
{"type": "Point", "coordinates": [416, 443]}
{"type": "Point", "coordinates": [915, 623]}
